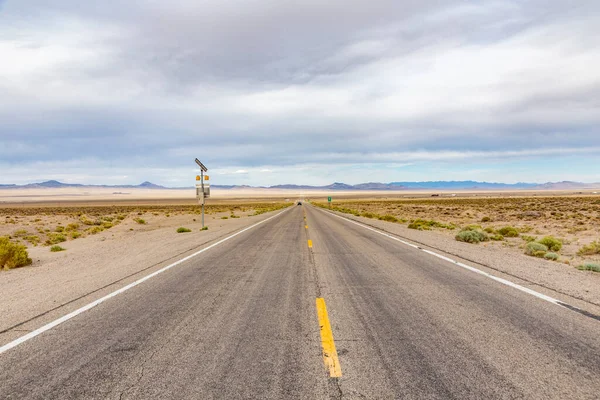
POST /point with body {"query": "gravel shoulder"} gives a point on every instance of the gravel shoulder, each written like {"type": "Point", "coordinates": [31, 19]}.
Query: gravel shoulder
{"type": "Point", "coordinates": [92, 267]}
{"type": "Point", "coordinates": [556, 277]}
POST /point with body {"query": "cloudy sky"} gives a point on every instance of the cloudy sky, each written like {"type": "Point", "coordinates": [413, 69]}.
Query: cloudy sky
{"type": "Point", "coordinates": [299, 91]}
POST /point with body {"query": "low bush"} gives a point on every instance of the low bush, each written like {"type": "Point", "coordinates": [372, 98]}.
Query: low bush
{"type": "Point", "coordinates": [388, 218]}
{"type": "Point", "coordinates": [225, 217]}
{"type": "Point", "coordinates": [535, 249]}
{"type": "Point", "coordinates": [204, 229]}
{"type": "Point", "coordinates": [551, 256]}
{"type": "Point", "coordinates": [552, 243]}
{"type": "Point", "coordinates": [508, 231]}
{"type": "Point", "coordinates": [422, 224]}
{"type": "Point", "coordinates": [489, 229]}
{"type": "Point", "coordinates": [486, 219]}
{"type": "Point", "coordinates": [55, 238]}
{"type": "Point", "coordinates": [589, 267]}
{"type": "Point", "coordinates": [12, 255]}
{"type": "Point", "coordinates": [183, 230]}
{"type": "Point", "coordinates": [75, 235]}
{"type": "Point", "coordinates": [72, 227]}
{"type": "Point", "coordinates": [497, 237]}
{"type": "Point", "coordinates": [369, 215]}
{"type": "Point", "coordinates": [590, 249]}
{"type": "Point", "coordinates": [94, 230]}
{"type": "Point", "coordinates": [140, 221]}
{"type": "Point", "coordinates": [472, 236]}
{"type": "Point", "coordinates": [56, 248]}
{"type": "Point", "coordinates": [33, 239]}
{"type": "Point", "coordinates": [59, 229]}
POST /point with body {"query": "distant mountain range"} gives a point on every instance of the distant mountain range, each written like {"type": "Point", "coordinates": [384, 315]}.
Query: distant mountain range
{"type": "Point", "coordinates": [432, 185]}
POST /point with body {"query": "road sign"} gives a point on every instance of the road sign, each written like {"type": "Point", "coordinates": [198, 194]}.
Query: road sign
{"type": "Point", "coordinates": [329, 199]}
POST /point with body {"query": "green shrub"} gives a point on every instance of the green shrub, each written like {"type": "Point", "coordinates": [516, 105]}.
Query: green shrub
{"type": "Point", "coordinates": [141, 221]}
{"type": "Point", "coordinates": [388, 218]}
{"type": "Point", "coordinates": [225, 217]}
{"type": "Point", "coordinates": [204, 229]}
{"type": "Point", "coordinates": [75, 235]}
{"type": "Point", "coordinates": [94, 230]}
{"type": "Point", "coordinates": [486, 219]}
{"type": "Point", "coordinates": [421, 224]}
{"type": "Point", "coordinates": [590, 249]}
{"type": "Point", "coordinates": [59, 229]}
{"type": "Point", "coordinates": [535, 249]}
{"type": "Point", "coordinates": [551, 242]}
{"type": "Point", "coordinates": [72, 227]}
{"type": "Point", "coordinates": [589, 267]}
{"type": "Point", "coordinates": [551, 256]}
{"type": "Point", "coordinates": [369, 215]}
{"type": "Point", "coordinates": [12, 255]}
{"type": "Point", "coordinates": [489, 229]}
{"type": "Point", "coordinates": [183, 230]}
{"type": "Point", "coordinates": [508, 231]}
{"type": "Point", "coordinates": [56, 248]}
{"type": "Point", "coordinates": [472, 236]}
{"type": "Point", "coordinates": [55, 238]}
{"type": "Point", "coordinates": [497, 237]}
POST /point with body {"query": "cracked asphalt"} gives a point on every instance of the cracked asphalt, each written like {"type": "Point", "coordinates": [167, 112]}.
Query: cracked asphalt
{"type": "Point", "coordinates": [239, 322]}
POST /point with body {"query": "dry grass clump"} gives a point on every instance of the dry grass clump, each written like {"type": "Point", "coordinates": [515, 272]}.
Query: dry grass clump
{"type": "Point", "coordinates": [535, 249]}
{"type": "Point", "coordinates": [57, 248]}
{"type": "Point", "coordinates": [181, 229]}
{"type": "Point", "coordinates": [509, 231]}
{"type": "Point", "coordinates": [13, 255]}
{"type": "Point", "coordinates": [590, 249]}
{"type": "Point", "coordinates": [421, 224]}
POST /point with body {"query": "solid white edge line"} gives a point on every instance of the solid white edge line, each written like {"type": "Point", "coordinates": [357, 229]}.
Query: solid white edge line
{"type": "Point", "coordinates": [93, 304]}
{"type": "Point", "coordinates": [465, 266]}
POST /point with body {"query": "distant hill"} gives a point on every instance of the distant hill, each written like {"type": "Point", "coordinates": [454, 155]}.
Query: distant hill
{"type": "Point", "coordinates": [52, 184]}
{"type": "Point", "coordinates": [431, 185]}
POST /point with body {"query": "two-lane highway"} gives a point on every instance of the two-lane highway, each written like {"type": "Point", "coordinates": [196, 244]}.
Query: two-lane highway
{"type": "Point", "coordinates": [279, 309]}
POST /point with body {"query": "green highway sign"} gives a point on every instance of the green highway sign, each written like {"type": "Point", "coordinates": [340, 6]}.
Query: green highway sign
{"type": "Point", "coordinates": [329, 199]}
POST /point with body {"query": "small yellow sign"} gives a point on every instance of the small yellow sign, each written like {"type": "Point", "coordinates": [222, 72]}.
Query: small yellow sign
{"type": "Point", "coordinates": [205, 177]}
{"type": "Point", "coordinates": [197, 177]}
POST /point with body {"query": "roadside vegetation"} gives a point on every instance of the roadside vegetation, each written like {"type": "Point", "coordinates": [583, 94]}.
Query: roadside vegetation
{"type": "Point", "coordinates": [13, 255]}
{"type": "Point", "coordinates": [554, 228]}
{"type": "Point", "coordinates": [32, 226]}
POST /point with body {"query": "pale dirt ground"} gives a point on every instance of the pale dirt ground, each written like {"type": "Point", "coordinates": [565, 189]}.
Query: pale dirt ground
{"type": "Point", "coordinates": [96, 265]}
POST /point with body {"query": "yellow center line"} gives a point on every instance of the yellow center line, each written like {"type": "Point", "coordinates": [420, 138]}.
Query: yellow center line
{"type": "Point", "coordinates": [330, 356]}
{"type": "Point", "coordinates": [310, 244]}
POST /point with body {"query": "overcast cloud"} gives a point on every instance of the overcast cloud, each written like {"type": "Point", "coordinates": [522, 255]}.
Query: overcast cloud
{"type": "Point", "coordinates": [270, 92]}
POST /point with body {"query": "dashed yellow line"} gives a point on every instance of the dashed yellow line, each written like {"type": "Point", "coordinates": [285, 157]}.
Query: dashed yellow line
{"type": "Point", "coordinates": [310, 244]}
{"type": "Point", "coordinates": [330, 356]}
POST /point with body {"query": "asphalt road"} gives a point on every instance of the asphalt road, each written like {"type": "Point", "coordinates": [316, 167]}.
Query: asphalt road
{"type": "Point", "coordinates": [240, 321]}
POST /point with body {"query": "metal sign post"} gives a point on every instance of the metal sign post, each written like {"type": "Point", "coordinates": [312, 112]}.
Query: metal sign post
{"type": "Point", "coordinates": [204, 192]}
